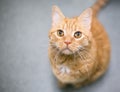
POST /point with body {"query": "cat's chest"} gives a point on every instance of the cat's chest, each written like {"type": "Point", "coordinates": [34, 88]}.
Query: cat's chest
{"type": "Point", "coordinates": [66, 70]}
{"type": "Point", "coordinates": [63, 69]}
{"type": "Point", "coordinates": [67, 74]}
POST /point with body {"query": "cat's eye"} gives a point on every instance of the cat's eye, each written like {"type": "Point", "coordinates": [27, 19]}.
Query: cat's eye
{"type": "Point", "coordinates": [60, 33]}
{"type": "Point", "coordinates": [77, 34]}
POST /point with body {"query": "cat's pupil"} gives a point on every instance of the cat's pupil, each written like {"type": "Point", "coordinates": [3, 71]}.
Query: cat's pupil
{"type": "Point", "coordinates": [60, 33]}
{"type": "Point", "coordinates": [77, 34]}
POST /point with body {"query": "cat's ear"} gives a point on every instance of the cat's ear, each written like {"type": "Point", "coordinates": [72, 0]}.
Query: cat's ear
{"type": "Point", "coordinates": [57, 15]}
{"type": "Point", "coordinates": [85, 19]}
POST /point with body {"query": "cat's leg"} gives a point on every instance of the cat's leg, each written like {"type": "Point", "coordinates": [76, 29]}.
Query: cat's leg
{"type": "Point", "coordinates": [77, 85]}
{"type": "Point", "coordinates": [61, 85]}
{"type": "Point", "coordinates": [97, 75]}
{"type": "Point", "coordinates": [93, 78]}
{"type": "Point", "coordinates": [90, 79]}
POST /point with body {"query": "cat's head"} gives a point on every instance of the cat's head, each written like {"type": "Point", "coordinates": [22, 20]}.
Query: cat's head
{"type": "Point", "coordinates": [70, 35]}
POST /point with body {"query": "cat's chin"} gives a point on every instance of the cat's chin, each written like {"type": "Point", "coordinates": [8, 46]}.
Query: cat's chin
{"type": "Point", "coordinates": [67, 51]}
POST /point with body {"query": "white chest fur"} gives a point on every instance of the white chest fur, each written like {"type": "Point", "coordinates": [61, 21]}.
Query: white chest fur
{"type": "Point", "coordinates": [64, 69]}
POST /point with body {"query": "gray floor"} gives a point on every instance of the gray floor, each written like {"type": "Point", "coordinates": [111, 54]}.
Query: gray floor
{"type": "Point", "coordinates": [24, 64]}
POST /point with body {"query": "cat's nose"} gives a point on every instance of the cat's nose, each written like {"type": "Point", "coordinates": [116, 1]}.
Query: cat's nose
{"type": "Point", "coordinates": [67, 42]}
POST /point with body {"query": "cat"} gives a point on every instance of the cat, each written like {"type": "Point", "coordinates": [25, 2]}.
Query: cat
{"type": "Point", "coordinates": [79, 48]}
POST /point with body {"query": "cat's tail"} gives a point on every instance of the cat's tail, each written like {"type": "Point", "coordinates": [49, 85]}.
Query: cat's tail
{"type": "Point", "coordinates": [98, 5]}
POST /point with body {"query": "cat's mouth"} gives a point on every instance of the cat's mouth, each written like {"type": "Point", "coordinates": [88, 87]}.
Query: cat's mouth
{"type": "Point", "coordinates": [67, 51]}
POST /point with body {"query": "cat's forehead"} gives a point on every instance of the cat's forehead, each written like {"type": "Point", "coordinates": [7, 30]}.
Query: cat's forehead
{"type": "Point", "coordinates": [70, 23]}
{"type": "Point", "coordinates": [70, 20]}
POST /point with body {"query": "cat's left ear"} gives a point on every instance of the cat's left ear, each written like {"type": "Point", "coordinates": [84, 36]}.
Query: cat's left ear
{"type": "Point", "coordinates": [57, 15]}
{"type": "Point", "coordinates": [85, 19]}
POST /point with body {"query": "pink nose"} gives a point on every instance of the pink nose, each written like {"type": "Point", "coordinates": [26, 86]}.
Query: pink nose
{"type": "Point", "coordinates": [67, 42]}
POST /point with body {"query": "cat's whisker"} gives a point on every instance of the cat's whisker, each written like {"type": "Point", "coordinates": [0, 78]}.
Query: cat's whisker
{"type": "Point", "coordinates": [85, 54]}
{"type": "Point", "coordinates": [51, 44]}
{"type": "Point", "coordinates": [93, 60]}
{"type": "Point", "coordinates": [85, 64]}
{"type": "Point", "coordinates": [74, 57]}
{"type": "Point", "coordinates": [89, 55]}
{"type": "Point", "coordinates": [56, 56]}
{"type": "Point", "coordinates": [81, 58]}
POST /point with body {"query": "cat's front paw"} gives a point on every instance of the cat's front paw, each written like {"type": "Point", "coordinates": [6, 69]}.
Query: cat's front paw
{"type": "Point", "coordinates": [61, 85]}
{"type": "Point", "coordinates": [77, 85]}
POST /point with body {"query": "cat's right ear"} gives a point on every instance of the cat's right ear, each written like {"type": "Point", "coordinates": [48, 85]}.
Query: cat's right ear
{"type": "Point", "coordinates": [57, 15]}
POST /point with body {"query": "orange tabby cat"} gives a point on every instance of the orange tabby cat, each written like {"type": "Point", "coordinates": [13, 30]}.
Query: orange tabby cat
{"type": "Point", "coordinates": [79, 49]}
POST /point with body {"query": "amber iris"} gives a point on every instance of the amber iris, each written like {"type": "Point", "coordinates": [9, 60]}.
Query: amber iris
{"type": "Point", "coordinates": [60, 33]}
{"type": "Point", "coordinates": [77, 34]}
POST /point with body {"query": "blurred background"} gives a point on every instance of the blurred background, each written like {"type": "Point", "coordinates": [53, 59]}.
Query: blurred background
{"type": "Point", "coordinates": [24, 63]}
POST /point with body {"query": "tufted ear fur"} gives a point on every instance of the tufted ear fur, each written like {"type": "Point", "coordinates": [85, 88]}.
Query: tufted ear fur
{"type": "Point", "coordinates": [57, 16]}
{"type": "Point", "coordinates": [85, 19]}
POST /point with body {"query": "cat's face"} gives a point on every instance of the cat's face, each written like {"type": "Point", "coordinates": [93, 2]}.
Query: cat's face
{"type": "Point", "coordinates": [69, 35]}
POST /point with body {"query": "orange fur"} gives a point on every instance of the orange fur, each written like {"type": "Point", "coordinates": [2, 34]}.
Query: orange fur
{"type": "Point", "coordinates": [86, 58]}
